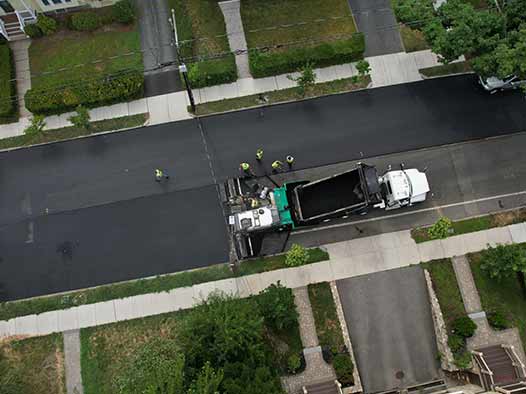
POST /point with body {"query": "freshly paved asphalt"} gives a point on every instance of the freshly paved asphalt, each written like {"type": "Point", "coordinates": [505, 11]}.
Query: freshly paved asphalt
{"type": "Point", "coordinates": [375, 18]}
{"type": "Point", "coordinates": [97, 195]}
{"type": "Point", "coordinates": [391, 328]}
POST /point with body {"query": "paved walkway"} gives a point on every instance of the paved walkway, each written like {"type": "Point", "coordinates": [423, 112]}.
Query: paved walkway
{"type": "Point", "coordinates": [348, 259]}
{"type": "Point", "coordinates": [468, 289]}
{"type": "Point", "coordinates": [72, 361]}
{"type": "Point", "coordinates": [236, 35]}
{"type": "Point", "coordinates": [23, 74]}
{"type": "Point", "coordinates": [385, 70]}
{"type": "Point", "coordinates": [317, 370]}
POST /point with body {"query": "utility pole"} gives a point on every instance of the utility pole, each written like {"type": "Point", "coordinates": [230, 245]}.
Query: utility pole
{"type": "Point", "coordinates": [182, 65]}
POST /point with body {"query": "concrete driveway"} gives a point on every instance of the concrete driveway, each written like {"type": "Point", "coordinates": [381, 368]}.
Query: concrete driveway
{"type": "Point", "coordinates": [375, 18]}
{"type": "Point", "coordinates": [391, 329]}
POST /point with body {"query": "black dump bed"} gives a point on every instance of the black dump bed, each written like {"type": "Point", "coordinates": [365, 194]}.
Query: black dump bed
{"type": "Point", "coordinates": [342, 192]}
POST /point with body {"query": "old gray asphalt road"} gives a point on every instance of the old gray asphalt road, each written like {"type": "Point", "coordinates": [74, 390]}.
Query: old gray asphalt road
{"type": "Point", "coordinates": [156, 43]}
{"type": "Point", "coordinates": [391, 328]}
{"type": "Point", "coordinates": [86, 212]}
{"type": "Point", "coordinates": [375, 18]}
{"type": "Point", "coordinates": [457, 173]}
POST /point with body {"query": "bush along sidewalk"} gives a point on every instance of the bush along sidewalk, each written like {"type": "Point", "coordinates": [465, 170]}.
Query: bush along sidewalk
{"type": "Point", "coordinates": [324, 55]}
{"type": "Point", "coordinates": [8, 103]}
{"type": "Point", "coordinates": [37, 305]}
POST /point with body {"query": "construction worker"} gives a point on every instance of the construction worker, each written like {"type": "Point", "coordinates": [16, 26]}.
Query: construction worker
{"type": "Point", "coordinates": [290, 160]}
{"type": "Point", "coordinates": [159, 175]}
{"type": "Point", "coordinates": [277, 165]}
{"type": "Point", "coordinates": [259, 154]}
{"type": "Point", "coordinates": [245, 167]}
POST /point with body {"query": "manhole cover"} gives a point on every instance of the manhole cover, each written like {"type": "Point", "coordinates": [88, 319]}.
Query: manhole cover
{"type": "Point", "coordinates": [399, 375]}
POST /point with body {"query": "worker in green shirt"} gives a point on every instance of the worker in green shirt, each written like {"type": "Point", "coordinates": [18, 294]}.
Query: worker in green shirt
{"type": "Point", "coordinates": [290, 160]}
{"type": "Point", "coordinates": [277, 165]}
{"type": "Point", "coordinates": [245, 167]}
{"type": "Point", "coordinates": [259, 154]}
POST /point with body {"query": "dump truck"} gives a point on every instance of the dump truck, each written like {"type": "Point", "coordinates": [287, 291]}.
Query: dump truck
{"type": "Point", "coordinates": [255, 208]}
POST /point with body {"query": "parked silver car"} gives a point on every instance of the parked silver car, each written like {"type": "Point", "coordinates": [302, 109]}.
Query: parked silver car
{"type": "Point", "coordinates": [494, 84]}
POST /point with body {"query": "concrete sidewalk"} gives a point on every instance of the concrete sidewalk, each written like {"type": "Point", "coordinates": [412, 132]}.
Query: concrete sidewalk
{"type": "Point", "coordinates": [385, 70]}
{"type": "Point", "coordinates": [347, 259]}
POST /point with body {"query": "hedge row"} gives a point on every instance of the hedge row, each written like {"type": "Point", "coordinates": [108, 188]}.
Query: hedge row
{"type": "Point", "coordinates": [324, 55]}
{"type": "Point", "coordinates": [94, 93]}
{"type": "Point", "coordinates": [7, 85]}
{"type": "Point", "coordinates": [213, 72]}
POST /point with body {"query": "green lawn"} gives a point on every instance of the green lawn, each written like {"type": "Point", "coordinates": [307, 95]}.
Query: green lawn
{"type": "Point", "coordinates": [325, 317]}
{"type": "Point", "coordinates": [279, 96]}
{"type": "Point", "coordinates": [67, 49]}
{"type": "Point", "coordinates": [66, 133]}
{"type": "Point", "coordinates": [38, 305]}
{"type": "Point", "coordinates": [476, 224]}
{"type": "Point", "coordinates": [412, 39]}
{"type": "Point", "coordinates": [446, 288]}
{"type": "Point", "coordinates": [106, 349]}
{"type": "Point", "coordinates": [32, 366]}
{"type": "Point", "coordinates": [257, 14]}
{"type": "Point", "coordinates": [504, 295]}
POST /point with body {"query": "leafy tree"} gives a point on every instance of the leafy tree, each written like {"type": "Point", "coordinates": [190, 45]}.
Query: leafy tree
{"type": "Point", "coordinates": [81, 119]}
{"type": "Point", "coordinates": [276, 304]}
{"type": "Point", "coordinates": [441, 229]}
{"type": "Point", "coordinates": [502, 261]}
{"type": "Point", "coordinates": [208, 381]}
{"type": "Point", "coordinates": [222, 330]}
{"type": "Point", "coordinates": [37, 125]}
{"type": "Point", "coordinates": [515, 11]}
{"type": "Point", "coordinates": [46, 24]}
{"type": "Point", "coordinates": [306, 79]}
{"type": "Point", "coordinates": [296, 256]}
{"type": "Point", "coordinates": [156, 368]}
{"type": "Point", "coordinates": [414, 13]}
{"type": "Point", "coordinates": [363, 68]}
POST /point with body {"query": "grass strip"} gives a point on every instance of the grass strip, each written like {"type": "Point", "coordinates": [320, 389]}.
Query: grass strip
{"type": "Point", "coordinates": [413, 39]}
{"type": "Point", "coordinates": [480, 223]}
{"type": "Point", "coordinates": [325, 317]}
{"type": "Point", "coordinates": [37, 305]}
{"type": "Point", "coordinates": [446, 69]}
{"type": "Point", "coordinates": [446, 288]}
{"type": "Point", "coordinates": [280, 96]}
{"type": "Point", "coordinates": [66, 133]}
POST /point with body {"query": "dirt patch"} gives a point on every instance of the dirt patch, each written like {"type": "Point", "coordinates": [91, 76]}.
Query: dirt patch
{"type": "Point", "coordinates": [510, 217]}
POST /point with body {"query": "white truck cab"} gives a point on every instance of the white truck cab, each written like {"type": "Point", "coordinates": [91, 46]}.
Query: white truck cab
{"type": "Point", "coordinates": [404, 187]}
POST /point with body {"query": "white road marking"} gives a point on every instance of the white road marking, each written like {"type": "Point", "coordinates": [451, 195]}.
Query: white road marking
{"type": "Point", "coordinates": [396, 215]}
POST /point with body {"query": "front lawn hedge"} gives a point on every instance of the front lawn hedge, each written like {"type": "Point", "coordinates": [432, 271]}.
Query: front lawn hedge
{"type": "Point", "coordinates": [7, 85]}
{"type": "Point", "coordinates": [323, 55]}
{"type": "Point", "coordinates": [91, 93]}
{"type": "Point", "coordinates": [85, 21]}
{"type": "Point", "coordinates": [212, 72]}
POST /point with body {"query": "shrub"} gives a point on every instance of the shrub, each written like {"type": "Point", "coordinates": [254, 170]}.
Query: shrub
{"type": "Point", "coordinates": [326, 54]}
{"type": "Point", "coordinates": [464, 326]}
{"type": "Point", "coordinates": [212, 72]}
{"type": "Point", "coordinates": [123, 12]}
{"type": "Point", "coordinates": [293, 363]}
{"type": "Point", "coordinates": [498, 320]}
{"type": "Point", "coordinates": [82, 118]}
{"type": "Point", "coordinates": [306, 79]}
{"type": "Point", "coordinates": [33, 31]}
{"type": "Point", "coordinates": [7, 87]}
{"type": "Point", "coordinates": [363, 67]}
{"type": "Point", "coordinates": [296, 256]}
{"type": "Point", "coordinates": [441, 229]}
{"type": "Point", "coordinates": [276, 304]}
{"type": "Point", "coordinates": [92, 93]}
{"type": "Point", "coordinates": [456, 343]}
{"type": "Point", "coordinates": [344, 368]}
{"type": "Point", "coordinates": [37, 125]}
{"type": "Point", "coordinates": [46, 24]}
{"type": "Point", "coordinates": [414, 12]}
{"type": "Point", "coordinates": [503, 260]}
{"type": "Point", "coordinates": [85, 21]}
{"type": "Point", "coordinates": [463, 360]}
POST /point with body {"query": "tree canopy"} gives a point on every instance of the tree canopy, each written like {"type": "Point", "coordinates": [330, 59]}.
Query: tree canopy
{"type": "Point", "coordinates": [494, 41]}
